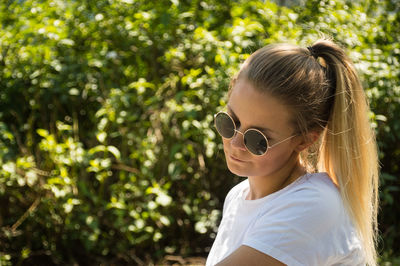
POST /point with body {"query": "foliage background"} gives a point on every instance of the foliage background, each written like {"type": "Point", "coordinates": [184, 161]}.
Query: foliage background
{"type": "Point", "coordinates": [107, 150]}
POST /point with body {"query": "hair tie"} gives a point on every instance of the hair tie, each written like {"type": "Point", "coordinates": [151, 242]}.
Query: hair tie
{"type": "Point", "coordinates": [312, 52]}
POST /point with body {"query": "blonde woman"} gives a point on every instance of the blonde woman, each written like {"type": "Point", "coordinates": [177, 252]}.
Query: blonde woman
{"type": "Point", "coordinates": [297, 208]}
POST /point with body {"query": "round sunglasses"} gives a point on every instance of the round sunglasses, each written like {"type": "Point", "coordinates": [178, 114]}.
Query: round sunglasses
{"type": "Point", "coordinates": [254, 140]}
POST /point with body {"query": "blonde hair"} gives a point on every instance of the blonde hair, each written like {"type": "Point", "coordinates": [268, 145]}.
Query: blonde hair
{"type": "Point", "coordinates": [321, 88]}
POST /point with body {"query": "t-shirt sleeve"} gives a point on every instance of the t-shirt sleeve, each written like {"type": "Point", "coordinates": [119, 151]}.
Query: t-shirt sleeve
{"type": "Point", "coordinates": [295, 230]}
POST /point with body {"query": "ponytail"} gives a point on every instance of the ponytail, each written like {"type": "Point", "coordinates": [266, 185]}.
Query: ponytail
{"type": "Point", "coordinates": [348, 151]}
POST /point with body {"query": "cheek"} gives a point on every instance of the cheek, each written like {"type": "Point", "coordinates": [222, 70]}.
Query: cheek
{"type": "Point", "coordinates": [226, 144]}
{"type": "Point", "coordinates": [273, 160]}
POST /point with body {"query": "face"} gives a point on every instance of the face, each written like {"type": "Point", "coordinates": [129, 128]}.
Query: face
{"type": "Point", "coordinates": [251, 109]}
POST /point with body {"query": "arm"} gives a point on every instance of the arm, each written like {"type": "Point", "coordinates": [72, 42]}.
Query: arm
{"type": "Point", "coordinates": [248, 256]}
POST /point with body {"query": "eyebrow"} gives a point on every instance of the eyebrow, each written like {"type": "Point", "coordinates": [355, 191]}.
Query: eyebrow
{"type": "Point", "coordinates": [263, 129]}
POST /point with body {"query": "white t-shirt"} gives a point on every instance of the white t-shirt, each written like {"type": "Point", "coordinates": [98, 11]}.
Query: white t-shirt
{"type": "Point", "coordinates": [304, 223]}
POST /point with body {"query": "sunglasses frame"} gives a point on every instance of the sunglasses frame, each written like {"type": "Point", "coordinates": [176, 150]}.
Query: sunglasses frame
{"type": "Point", "coordinates": [244, 133]}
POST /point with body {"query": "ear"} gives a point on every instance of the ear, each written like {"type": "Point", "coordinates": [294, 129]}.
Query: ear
{"type": "Point", "coordinates": [307, 141]}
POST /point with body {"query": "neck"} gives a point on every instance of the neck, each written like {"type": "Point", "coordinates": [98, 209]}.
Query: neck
{"type": "Point", "coordinates": [261, 186]}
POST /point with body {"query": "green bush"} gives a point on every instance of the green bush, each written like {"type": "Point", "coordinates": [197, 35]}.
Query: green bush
{"type": "Point", "coordinates": [107, 146]}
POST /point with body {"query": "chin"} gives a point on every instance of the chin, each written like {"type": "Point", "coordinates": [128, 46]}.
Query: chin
{"type": "Point", "coordinates": [237, 171]}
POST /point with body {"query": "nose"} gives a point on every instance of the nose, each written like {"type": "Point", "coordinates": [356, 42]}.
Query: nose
{"type": "Point", "coordinates": [238, 140]}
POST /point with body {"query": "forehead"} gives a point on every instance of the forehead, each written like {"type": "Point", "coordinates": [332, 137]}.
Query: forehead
{"type": "Point", "coordinates": [256, 109]}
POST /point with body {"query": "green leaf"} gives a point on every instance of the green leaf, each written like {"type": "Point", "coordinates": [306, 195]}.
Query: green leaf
{"type": "Point", "coordinates": [114, 151]}
{"type": "Point", "coordinates": [42, 132]}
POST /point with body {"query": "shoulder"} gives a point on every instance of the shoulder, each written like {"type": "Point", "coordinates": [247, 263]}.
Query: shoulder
{"type": "Point", "coordinates": [306, 224]}
{"type": "Point", "coordinates": [310, 208]}
{"type": "Point", "coordinates": [314, 195]}
{"type": "Point", "coordinates": [317, 184]}
{"type": "Point", "coordinates": [319, 191]}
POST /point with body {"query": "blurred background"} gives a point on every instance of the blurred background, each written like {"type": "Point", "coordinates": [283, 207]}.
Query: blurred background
{"type": "Point", "coordinates": [108, 154]}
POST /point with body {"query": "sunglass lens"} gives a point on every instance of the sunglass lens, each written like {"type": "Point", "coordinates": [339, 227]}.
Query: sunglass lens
{"type": "Point", "coordinates": [224, 125]}
{"type": "Point", "coordinates": [255, 142]}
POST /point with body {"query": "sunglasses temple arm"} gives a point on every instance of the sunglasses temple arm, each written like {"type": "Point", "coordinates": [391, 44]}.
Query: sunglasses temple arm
{"type": "Point", "coordinates": [282, 141]}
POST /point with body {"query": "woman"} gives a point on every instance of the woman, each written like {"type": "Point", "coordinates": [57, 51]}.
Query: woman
{"type": "Point", "coordinates": [297, 127]}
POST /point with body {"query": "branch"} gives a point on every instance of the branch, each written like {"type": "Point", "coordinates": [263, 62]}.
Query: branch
{"type": "Point", "coordinates": [31, 209]}
{"type": "Point", "coordinates": [125, 167]}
